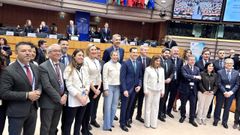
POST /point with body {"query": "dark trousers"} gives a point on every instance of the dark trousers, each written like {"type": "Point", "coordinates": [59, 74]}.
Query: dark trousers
{"type": "Point", "coordinates": [28, 123]}
{"type": "Point", "coordinates": [139, 100]}
{"type": "Point", "coordinates": [49, 121]}
{"type": "Point", "coordinates": [220, 100]}
{"type": "Point", "coordinates": [237, 111]}
{"type": "Point", "coordinates": [126, 106]}
{"type": "Point", "coordinates": [184, 97]}
{"type": "Point", "coordinates": [210, 108]}
{"type": "Point", "coordinates": [2, 118]}
{"type": "Point", "coordinates": [86, 119]}
{"type": "Point", "coordinates": [73, 113]}
{"type": "Point", "coordinates": [90, 108]}
{"type": "Point", "coordinates": [173, 93]}
{"type": "Point", "coordinates": [94, 108]}
{"type": "Point", "coordinates": [163, 100]}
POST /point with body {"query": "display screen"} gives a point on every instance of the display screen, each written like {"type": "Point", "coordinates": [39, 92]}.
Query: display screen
{"type": "Point", "coordinates": [232, 11]}
{"type": "Point", "coordinates": [209, 10]}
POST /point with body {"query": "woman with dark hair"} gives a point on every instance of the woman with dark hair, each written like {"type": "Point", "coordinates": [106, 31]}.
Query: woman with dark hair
{"type": "Point", "coordinates": [208, 86]}
{"type": "Point", "coordinates": [34, 54]}
{"type": "Point", "coordinates": [186, 54]}
{"type": "Point", "coordinates": [77, 83]}
{"type": "Point", "coordinates": [5, 51]}
{"type": "Point", "coordinates": [154, 88]}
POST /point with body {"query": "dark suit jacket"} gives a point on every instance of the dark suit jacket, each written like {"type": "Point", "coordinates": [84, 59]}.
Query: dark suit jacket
{"type": "Point", "coordinates": [170, 44]}
{"type": "Point", "coordinates": [217, 65]}
{"type": "Point", "coordinates": [107, 53]}
{"type": "Point", "coordinates": [14, 86]}
{"type": "Point", "coordinates": [187, 75]}
{"type": "Point", "coordinates": [69, 30]}
{"type": "Point", "coordinates": [223, 81]}
{"type": "Point", "coordinates": [50, 98]}
{"type": "Point", "coordinates": [177, 68]}
{"type": "Point", "coordinates": [200, 64]}
{"type": "Point", "coordinates": [44, 29]}
{"type": "Point", "coordinates": [208, 81]}
{"type": "Point", "coordinates": [148, 60]}
{"type": "Point", "coordinates": [168, 73]}
{"type": "Point", "coordinates": [128, 78]}
{"type": "Point", "coordinates": [105, 34]}
{"type": "Point", "coordinates": [69, 59]}
{"type": "Point", "coordinates": [41, 57]}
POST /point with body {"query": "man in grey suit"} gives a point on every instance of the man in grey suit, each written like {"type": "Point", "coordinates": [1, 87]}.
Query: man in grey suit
{"type": "Point", "coordinates": [20, 87]}
{"type": "Point", "coordinates": [54, 94]}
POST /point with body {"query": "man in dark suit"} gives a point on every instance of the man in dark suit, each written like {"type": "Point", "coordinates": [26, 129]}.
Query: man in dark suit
{"type": "Point", "coordinates": [177, 63]}
{"type": "Point", "coordinates": [228, 83]}
{"type": "Point", "coordinates": [188, 90]}
{"type": "Point", "coordinates": [235, 58]}
{"type": "Point", "coordinates": [168, 73]}
{"type": "Point", "coordinates": [116, 39]}
{"type": "Point", "coordinates": [71, 29]}
{"type": "Point", "coordinates": [205, 59]}
{"type": "Point", "coordinates": [42, 44]}
{"type": "Point", "coordinates": [131, 83]}
{"type": "Point", "coordinates": [105, 34]}
{"type": "Point", "coordinates": [218, 65]}
{"type": "Point", "coordinates": [145, 61]}
{"type": "Point", "coordinates": [170, 43]}
{"type": "Point", "coordinates": [65, 58]}
{"type": "Point", "coordinates": [20, 87]}
{"type": "Point", "coordinates": [54, 94]}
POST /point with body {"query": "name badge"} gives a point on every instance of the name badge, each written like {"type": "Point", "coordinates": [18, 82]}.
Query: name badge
{"type": "Point", "coordinates": [191, 83]}
{"type": "Point", "coordinates": [227, 86]}
{"type": "Point", "coordinates": [83, 93]}
{"type": "Point", "coordinates": [0, 102]}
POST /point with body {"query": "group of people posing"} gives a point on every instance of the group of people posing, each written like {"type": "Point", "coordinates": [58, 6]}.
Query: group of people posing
{"type": "Point", "coordinates": [70, 86]}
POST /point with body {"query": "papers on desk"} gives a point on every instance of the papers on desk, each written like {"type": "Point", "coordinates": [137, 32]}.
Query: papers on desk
{"type": "Point", "coordinates": [31, 35]}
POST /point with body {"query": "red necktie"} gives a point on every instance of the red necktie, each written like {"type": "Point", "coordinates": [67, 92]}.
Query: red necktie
{"type": "Point", "coordinates": [29, 74]}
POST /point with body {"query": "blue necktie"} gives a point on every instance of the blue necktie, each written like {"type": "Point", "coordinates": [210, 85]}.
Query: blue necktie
{"type": "Point", "coordinates": [229, 75]}
{"type": "Point", "coordinates": [134, 66]}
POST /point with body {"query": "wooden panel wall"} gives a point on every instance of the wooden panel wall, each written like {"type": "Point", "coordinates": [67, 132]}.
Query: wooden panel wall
{"type": "Point", "coordinates": [12, 15]}
{"type": "Point", "coordinates": [131, 29]}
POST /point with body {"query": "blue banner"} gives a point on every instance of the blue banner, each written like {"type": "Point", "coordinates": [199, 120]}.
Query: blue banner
{"type": "Point", "coordinates": [82, 20]}
{"type": "Point", "coordinates": [99, 1]}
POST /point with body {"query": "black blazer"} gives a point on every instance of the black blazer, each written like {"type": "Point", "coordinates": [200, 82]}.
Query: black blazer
{"type": "Point", "coordinates": [41, 57]}
{"type": "Point", "coordinates": [105, 34]}
{"type": "Point", "coordinates": [170, 44]}
{"type": "Point", "coordinates": [14, 86]}
{"type": "Point", "coordinates": [208, 81]}
{"type": "Point", "coordinates": [177, 68]}
{"type": "Point", "coordinates": [148, 60]}
{"type": "Point", "coordinates": [168, 73]}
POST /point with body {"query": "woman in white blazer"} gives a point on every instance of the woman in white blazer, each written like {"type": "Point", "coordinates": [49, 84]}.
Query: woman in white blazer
{"type": "Point", "coordinates": [78, 85]}
{"type": "Point", "coordinates": [93, 67]}
{"type": "Point", "coordinates": [154, 87]}
{"type": "Point", "coordinates": [111, 83]}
